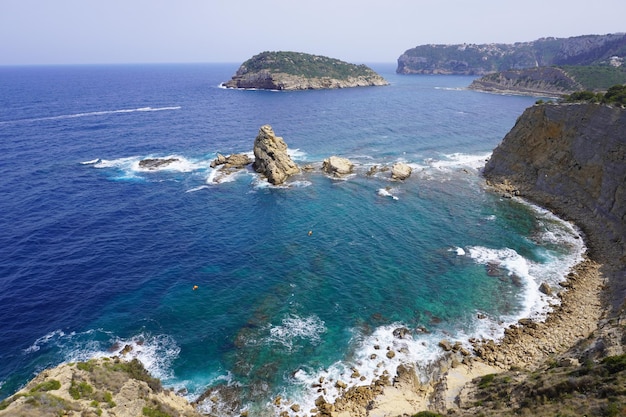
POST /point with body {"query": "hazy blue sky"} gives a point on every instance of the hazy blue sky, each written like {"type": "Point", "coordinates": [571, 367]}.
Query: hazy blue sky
{"type": "Point", "coordinates": [130, 31]}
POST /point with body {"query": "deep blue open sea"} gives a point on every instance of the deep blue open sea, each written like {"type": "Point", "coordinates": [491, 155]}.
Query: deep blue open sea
{"type": "Point", "coordinates": [96, 253]}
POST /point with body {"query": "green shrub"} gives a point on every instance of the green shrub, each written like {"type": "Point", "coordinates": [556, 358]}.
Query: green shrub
{"type": "Point", "coordinates": [154, 412]}
{"type": "Point", "coordinates": [86, 366]}
{"type": "Point", "coordinates": [136, 370]}
{"type": "Point", "coordinates": [486, 381]}
{"type": "Point", "coordinates": [615, 364]}
{"type": "Point", "coordinates": [80, 390]}
{"type": "Point", "coordinates": [50, 385]}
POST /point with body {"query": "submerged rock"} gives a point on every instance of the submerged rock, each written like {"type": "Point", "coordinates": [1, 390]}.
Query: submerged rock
{"type": "Point", "coordinates": [271, 158]}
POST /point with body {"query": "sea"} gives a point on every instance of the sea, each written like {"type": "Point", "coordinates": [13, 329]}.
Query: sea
{"type": "Point", "coordinates": [224, 283]}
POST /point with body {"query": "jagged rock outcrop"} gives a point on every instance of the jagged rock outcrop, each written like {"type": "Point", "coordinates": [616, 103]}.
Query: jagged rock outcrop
{"type": "Point", "coordinates": [104, 387]}
{"type": "Point", "coordinates": [571, 158]}
{"type": "Point", "coordinates": [271, 157]}
{"type": "Point", "coordinates": [473, 59]}
{"type": "Point", "coordinates": [299, 71]}
{"type": "Point", "coordinates": [400, 171]}
{"type": "Point", "coordinates": [337, 166]}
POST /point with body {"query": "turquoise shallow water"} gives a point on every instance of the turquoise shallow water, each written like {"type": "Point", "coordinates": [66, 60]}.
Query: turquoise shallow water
{"type": "Point", "coordinates": [99, 253]}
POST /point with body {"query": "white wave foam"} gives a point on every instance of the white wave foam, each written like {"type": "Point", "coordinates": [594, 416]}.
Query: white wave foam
{"type": "Point", "coordinates": [459, 251]}
{"type": "Point", "coordinates": [517, 265]}
{"type": "Point", "coordinates": [384, 192]}
{"type": "Point", "coordinates": [92, 162]}
{"type": "Point", "coordinates": [155, 352]}
{"type": "Point", "coordinates": [459, 160]}
{"type": "Point", "coordinates": [369, 362]}
{"type": "Point", "coordinates": [130, 168]}
{"type": "Point", "coordinates": [193, 190]}
{"type": "Point", "coordinates": [296, 154]}
{"type": "Point", "coordinates": [92, 113]}
{"type": "Point", "coordinates": [44, 340]}
{"type": "Point", "coordinates": [294, 327]}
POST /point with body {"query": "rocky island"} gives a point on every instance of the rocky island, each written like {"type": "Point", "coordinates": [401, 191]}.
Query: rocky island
{"type": "Point", "coordinates": [299, 71]}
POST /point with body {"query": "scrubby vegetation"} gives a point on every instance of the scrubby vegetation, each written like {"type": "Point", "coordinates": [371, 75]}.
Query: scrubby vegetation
{"type": "Point", "coordinates": [614, 95]}
{"type": "Point", "coordinates": [96, 388]}
{"type": "Point", "coordinates": [306, 65]}
{"type": "Point", "coordinates": [597, 389]}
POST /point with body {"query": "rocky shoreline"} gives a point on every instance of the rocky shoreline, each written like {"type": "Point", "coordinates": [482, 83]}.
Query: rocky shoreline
{"type": "Point", "coordinates": [525, 346]}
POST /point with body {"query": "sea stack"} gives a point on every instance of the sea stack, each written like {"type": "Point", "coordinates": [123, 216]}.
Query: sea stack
{"type": "Point", "coordinates": [271, 158]}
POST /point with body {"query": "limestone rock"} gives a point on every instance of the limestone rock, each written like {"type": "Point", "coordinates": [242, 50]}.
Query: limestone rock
{"type": "Point", "coordinates": [271, 158]}
{"type": "Point", "coordinates": [232, 161]}
{"type": "Point", "coordinates": [545, 288]}
{"type": "Point", "coordinates": [445, 345]}
{"type": "Point", "coordinates": [337, 166]}
{"type": "Point", "coordinates": [400, 171]}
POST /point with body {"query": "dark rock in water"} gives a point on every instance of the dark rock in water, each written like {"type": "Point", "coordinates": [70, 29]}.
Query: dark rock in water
{"type": "Point", "coordinates": [400, 332]}
{"type": "Point", "coordinates": [155, 163]}
{"type": "Point", "coordinates": [271, 158]}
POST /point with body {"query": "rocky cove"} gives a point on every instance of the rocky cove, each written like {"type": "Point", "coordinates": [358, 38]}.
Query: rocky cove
{"type": "Point", "coordinates": [569, 158]}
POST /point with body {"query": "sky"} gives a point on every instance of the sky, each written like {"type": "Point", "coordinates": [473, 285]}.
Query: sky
{"type": "Point", "coordinates": [42, 32]}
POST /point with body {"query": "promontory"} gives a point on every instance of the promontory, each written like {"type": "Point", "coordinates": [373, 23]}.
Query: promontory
{"type": "Point", "coordinates": [299, 71]}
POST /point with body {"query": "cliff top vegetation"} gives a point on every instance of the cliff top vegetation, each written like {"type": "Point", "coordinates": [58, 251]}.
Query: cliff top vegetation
{"type": "Point", "coordinates": [615, 95]}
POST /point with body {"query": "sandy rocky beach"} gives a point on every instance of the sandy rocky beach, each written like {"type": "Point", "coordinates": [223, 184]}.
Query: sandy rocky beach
{"type": "Point", "coordinates": [526, 346]}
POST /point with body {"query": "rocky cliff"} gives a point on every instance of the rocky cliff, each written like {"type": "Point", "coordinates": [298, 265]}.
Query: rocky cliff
{"type": "Point", "coordinates": [300, 71]}
{"type": "Point", "coordinates": [472, 59]}
{"type": "Point", "coordinates": [571, 158]}
{"type": "Point", "coordinates": [101, 387]}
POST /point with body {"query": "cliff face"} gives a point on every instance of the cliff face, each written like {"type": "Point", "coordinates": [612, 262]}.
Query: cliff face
{"type": "Point", "coordinates": [571, 158]}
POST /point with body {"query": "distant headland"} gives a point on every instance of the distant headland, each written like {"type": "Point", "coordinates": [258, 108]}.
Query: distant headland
{"type": "Point", "coordinates": [299, 71]}
{"type": "Point", "coordinates": [547, 66]}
